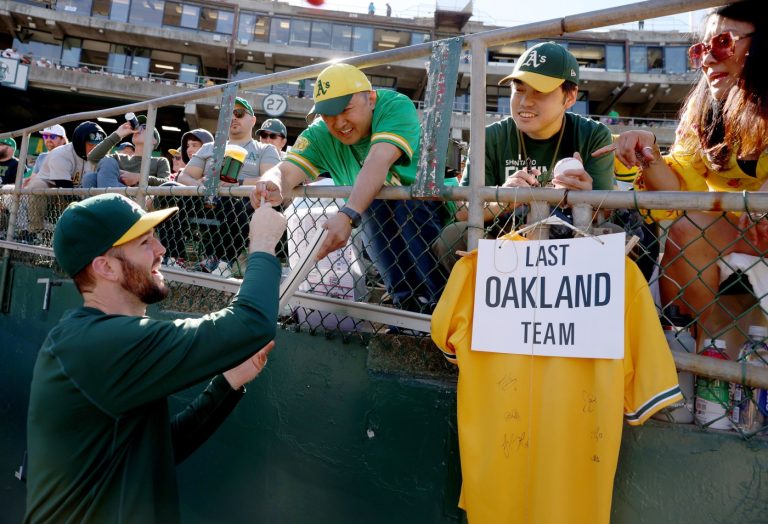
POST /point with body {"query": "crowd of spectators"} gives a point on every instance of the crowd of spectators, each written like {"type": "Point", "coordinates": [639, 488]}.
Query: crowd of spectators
{"type": "Point", "coordinates": [94, 159]}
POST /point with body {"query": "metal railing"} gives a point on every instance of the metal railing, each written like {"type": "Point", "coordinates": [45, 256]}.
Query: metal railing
{"type": "Point", "coordinates": [476, 195]}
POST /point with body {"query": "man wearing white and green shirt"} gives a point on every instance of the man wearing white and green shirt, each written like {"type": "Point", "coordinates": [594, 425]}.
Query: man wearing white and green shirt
{"type": "Point", "coordinates": [367, 139]}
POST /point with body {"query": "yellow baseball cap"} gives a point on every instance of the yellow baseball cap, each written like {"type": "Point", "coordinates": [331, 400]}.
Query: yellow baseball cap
{"type": "Point", "coordinates": [335, 86]}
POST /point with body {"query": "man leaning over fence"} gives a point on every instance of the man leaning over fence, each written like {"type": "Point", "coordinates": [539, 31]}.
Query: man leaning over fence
{"type": "Point", "coordinates": [367, 139]}
{"type": "Point", "coordinates": [521, 151]}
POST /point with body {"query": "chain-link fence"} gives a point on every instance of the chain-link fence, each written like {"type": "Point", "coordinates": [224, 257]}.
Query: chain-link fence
{"type": "Point", "coordinates": [706, 268]}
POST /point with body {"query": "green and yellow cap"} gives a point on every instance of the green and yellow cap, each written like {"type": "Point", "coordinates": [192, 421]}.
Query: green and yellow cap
{"type": "Point", "coordinates": [545, 67]}
{"type": "Point", "coordinates": [335, 86]}
{"type": "Point", "coordinates": [87, 229]}
{"type": "Point", "coordinates": [9, 141]}
{"type": "Point", "coordinates": [243, 102]}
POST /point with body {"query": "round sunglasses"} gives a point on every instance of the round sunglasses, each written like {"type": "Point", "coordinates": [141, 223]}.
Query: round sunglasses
{"type": "Point", "coordinates": [720, 46]}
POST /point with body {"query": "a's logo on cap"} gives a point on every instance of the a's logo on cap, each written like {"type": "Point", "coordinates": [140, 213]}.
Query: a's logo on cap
{"type": "Point", "coordinates": [573, 73]}
{"type": "Point", "coordinates": [322, 88]}
{"type": "Point", "coordinates": [534, 60]}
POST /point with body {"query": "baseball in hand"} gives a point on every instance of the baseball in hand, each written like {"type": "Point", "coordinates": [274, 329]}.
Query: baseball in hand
{"type": "Point", "coordinates": [566, 164]}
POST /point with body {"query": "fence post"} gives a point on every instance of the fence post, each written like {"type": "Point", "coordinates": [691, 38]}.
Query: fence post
{"type": "Point", "coordinates": [149, 134]}
{"type": "Point", "coordinates": [436, 121]}
{"type": "Point", "coordinates": [539, 211]}
{"type": "Point", "coordinates": [477, 142]}
{"type": "Point", "coordinates": [582, 217]}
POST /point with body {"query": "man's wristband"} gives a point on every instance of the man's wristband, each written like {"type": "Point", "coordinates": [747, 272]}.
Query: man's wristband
{"type": "Point", "coordinates": [354, 217]}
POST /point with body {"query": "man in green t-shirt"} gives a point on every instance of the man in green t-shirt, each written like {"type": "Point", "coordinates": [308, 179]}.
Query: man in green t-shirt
{"type": "Point", "coordinates": [522, 150]}
{"type": "Point", "coordinates": [102, 445]}
{"type": "Point", "coordinates": [367, 139]}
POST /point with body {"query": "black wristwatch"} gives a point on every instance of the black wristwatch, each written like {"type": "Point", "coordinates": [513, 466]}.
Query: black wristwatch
{"type": "Point", "coordinates": [354, 217]}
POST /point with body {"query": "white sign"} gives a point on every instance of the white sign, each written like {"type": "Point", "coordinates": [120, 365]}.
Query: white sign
{"type": "Point", "coordinates": [274, 105]}
{"type": "Point", "coordinates": [8, 70]}
{"type": "Point", "coordinates": [21, 78]}
{"type": "Point", "coordinates": [558, 298]}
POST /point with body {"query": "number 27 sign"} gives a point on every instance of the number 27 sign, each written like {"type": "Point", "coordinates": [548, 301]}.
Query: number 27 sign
{"type": "Point", "coordinates": [274, 105]}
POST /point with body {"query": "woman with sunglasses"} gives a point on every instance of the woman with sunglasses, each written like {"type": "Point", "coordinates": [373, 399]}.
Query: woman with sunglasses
{"type": "Point", "coordinates": [721, 145]}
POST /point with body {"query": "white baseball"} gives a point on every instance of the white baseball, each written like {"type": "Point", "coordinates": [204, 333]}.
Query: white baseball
{"type": "Point", "coordinates": [566, 164]}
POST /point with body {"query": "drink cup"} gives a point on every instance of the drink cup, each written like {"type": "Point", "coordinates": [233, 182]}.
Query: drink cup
{"type": "Point", "coordinates": [234, 156]}
{"type": "Point", "coordinates": [131, 118]}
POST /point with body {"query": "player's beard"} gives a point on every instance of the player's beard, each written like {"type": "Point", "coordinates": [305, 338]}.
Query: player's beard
{"type": "Point", "coordinates": [141, 285]}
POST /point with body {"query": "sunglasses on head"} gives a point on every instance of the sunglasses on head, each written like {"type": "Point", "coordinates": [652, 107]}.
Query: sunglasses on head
{"type": "Point", "coordinates": [46, 136]}
{"type": "Point", "coordinates": [239, 112]}
{"type": "Point", "coordinates": [720, 46]}
{"type": "Point", "coordinates": [271, 136]}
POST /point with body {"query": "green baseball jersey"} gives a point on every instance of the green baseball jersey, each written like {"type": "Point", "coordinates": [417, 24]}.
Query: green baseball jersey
{"type": "Point", "coordinates": [395, 122]}
{"type": "Point", "coordinates": [504, 156]}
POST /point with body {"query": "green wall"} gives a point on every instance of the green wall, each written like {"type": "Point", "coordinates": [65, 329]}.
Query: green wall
{"type": "Point", "coordinates": [338, 432]}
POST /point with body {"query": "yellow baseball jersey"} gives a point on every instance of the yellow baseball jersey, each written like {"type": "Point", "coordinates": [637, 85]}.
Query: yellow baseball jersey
{"type": "Point", "coordinates": [539, 436]}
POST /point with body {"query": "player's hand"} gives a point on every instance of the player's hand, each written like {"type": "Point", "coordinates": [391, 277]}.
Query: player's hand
{"type": "Point", "coordinates": [128, 178]}
{"type": "Point", "coordinates": [339, 229]}
{"type": "Point", "coordinates": [250, 369]}
{"type": "Point", "coordinates": [632, 148]}
{"type": "Point", "coordinates": [125, 130]}
{"type": "Point", "coordinates": [577, 179]}
{"type": "Point", "coordinates": [268, 189]}
{"type": "Point", "coordinates": [523, 178]}
{"type": "Point", "coordinates": [266, 228]}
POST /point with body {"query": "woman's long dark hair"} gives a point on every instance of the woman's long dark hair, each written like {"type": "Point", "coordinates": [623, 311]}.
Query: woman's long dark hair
{"type": "Point", "coordinates": [740, 123]}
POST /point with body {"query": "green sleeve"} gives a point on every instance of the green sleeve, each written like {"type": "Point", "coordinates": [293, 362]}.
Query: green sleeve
{"type": "Point", "coordinates": [163, 171]}
{"type": "Point", "coordinates": [306, 153]}
{"type": "Point", "coordinates": [143, 360]}
{"type": "Point", "coordinates": [103, 148]}
{"type": "Point", "coordinates": [203, 416]}
{"type": "Point", "coordinates": [601, 168]}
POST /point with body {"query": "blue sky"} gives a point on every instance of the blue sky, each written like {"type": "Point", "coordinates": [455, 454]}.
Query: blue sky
{"type": "Point", "coordinates": [507, 12]}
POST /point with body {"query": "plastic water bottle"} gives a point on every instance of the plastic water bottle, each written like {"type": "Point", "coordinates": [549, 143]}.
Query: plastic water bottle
{"type": "Point", "coordinates": [750, 405]}
{"type": "Point", "coordinates": [677, 330]}
{"type": "Point", "coordinates": [712, 395]}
